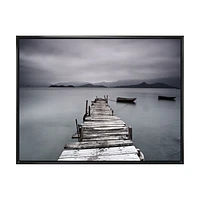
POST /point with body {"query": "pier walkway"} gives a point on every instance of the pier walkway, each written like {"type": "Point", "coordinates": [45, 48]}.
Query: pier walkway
{"type": "Point", "coordinates": [101, 137]}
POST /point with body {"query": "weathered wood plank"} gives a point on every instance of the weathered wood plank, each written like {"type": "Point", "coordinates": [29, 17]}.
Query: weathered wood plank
{"type": "Point", "coordinates": [103, 125]}
{"type": "Point", "coordinates": [78, 153]}
{"type": "Point", "coordinates": [75, 136]}
{"type": "Point", "coordinates": [120, 157]}
{"type": "Point", "coordinates": [117, 150]}
{"type": "Point", "coordinates": [98, 151]}
{"type": "Point", "coordinates": [100, 112]}
{"type": "Point", "coordinates": [105, 108]}
{"type": "Point", "coordinates": [92, 135]}
{"type": "Point", "coordinates": [105, 138]}
{"type": "Point", "coordinates": [104, 122]}
{"type": "Point", "coordinates": [98, 144]}
{"type": "Point", "coordinates": [92, 117]}
{"type": "Point", "coordinates": [92, 131]}
{"type": "Point", "coordinates": [102, 117]}
{"type": "Point", "coordinates": [101, 109]}
{"type": "Point", "coordinates": [105, 128]}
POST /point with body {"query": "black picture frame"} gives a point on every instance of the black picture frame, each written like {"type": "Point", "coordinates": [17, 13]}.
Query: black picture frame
{"type": "Point", "coordinates": [18, 161]}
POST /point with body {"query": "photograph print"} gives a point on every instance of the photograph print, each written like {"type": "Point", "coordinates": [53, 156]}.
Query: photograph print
{"type": "Point", "coordinates": [99, 99]}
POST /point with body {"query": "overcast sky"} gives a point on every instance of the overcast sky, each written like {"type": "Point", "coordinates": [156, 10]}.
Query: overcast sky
{"type": "Point", "coordinates": [97, 60]}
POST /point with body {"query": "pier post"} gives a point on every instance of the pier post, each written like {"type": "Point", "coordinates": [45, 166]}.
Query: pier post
{"type": "Point", "coordinates": [76, 126]}
{"type": "Point", "coordinates": [106, 98]}
{"type": "Point", "coordinates": [89, 111]}
{"type": "Point", "coordinates": [86, 107]}
{"type": "Point", "coordinates": [139, 152]}
{"type": "Point", "coordinates": [84, 116]}
{"type": "Point", "coordinates": [81, 134]}
{"type": "Point", "coordinates": [112, 112]}
{"type": "Point", "coordinates": [130, 136]}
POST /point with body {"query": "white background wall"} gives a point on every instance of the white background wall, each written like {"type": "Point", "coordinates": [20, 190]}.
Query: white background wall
{"type": "Point", "coordinates": [99, 18]}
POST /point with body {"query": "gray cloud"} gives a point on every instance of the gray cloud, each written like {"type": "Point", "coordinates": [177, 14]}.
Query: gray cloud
{"type": "Point", "coordinates": [97, 60]}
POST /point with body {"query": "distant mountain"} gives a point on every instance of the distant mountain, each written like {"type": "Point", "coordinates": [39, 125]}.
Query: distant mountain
{"type": "Point", "coordinates": [141, 85]}
{"type": "Point", "coordinates": [72, 83]}
{"type": "Point", "coordinates": [118, 83]}
{"type": "Point", "coordinates": [174, 82]}
{"type": "Point", "coordinates": [146, 85]}
{"type": "Point", "coordinates": [61, 86]}
{"type": "Point", "coordinates": [91, 85]}
{"type": "Point", "coordinates": [171, 82]}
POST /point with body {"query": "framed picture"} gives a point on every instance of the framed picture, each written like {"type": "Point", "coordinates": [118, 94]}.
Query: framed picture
{"type": "Point", "coordinates": [100, 99]}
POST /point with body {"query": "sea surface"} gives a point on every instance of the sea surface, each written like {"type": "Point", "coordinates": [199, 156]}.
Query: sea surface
{"type": "Point", "coordinates": [47, 120]}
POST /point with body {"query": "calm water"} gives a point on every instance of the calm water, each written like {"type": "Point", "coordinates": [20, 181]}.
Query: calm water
{"type": "Point", "coordinates": [47, 120]}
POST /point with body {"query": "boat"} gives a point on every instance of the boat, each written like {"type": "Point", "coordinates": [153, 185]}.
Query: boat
{"type": "Point", "coordinates": [166, 98]}
{"type": "Point", "coordinates": [126, 100]}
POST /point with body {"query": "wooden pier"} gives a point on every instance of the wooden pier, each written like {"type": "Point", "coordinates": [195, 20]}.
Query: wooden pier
{"type": "Point", "coordinates": [101, 137]}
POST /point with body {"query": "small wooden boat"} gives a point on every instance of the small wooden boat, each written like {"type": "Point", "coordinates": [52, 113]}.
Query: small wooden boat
{"type": "Point", "coordinates": [166, 98]}
{"type": "Point", "coordinates": [126, 100]}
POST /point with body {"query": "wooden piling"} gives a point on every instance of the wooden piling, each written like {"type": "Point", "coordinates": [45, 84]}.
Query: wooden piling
{"type": "Point", "coordinates": [84, 116]}
{"type": "Point", "coordinates": [112, 112]}
{"type": "Point", "coordinates": [86, 107]}
{"type": "Point", "coordinates": [106, 98]}
{"type": "Point", "coordinates": [89, 111]}
{"type": "Point", "coordinates": [139, 152]}
{"type": "Point", "coordinates": [81, 134]}
{"type": "Point", "coordinates": [130, 136]}
{"type": "Point", "coordinates": [76, 125]}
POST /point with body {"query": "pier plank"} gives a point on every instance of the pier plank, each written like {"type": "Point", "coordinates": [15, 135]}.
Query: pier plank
{"type": "Point", "coordinates": [120, 157]}
{"type": "Point", "coordinates": [98, 144]}
{"type": "Point", "coordinates": [112, 153]}
{"type": "Point", "coordinates": [113, 137]}
{"type": "Point", "coordinates": [92, 135]}
{"type": "Point", "coordinates": [75, 135]}
{"type": "Point", "coordinates": [102, 120]}
{"type": "Point", "coordinates": [103, 125]}
{"type": "Point", "coordinates": [102, 117]}
{"type": "Point", "coordinates": [106, 128]}
{"type": "Point", "coordinates": [99, 151]}
{"type": "Point", "coordinates": [92, 131]}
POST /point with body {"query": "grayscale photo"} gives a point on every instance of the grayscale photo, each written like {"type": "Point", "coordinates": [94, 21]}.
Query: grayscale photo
{"type": "Point", "coordinates": [105, 99]}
